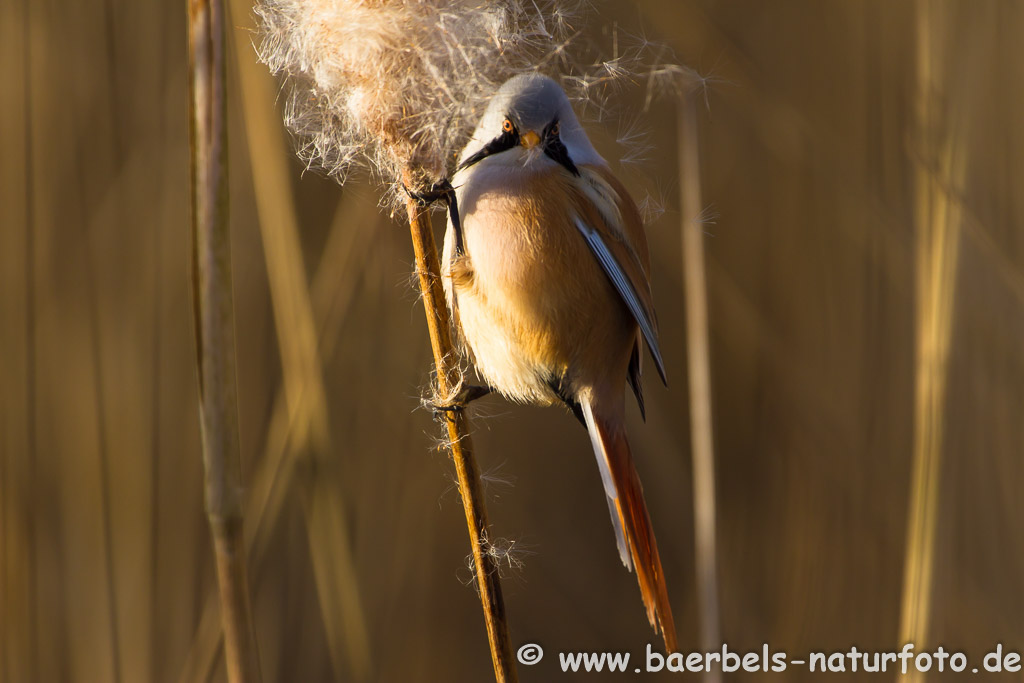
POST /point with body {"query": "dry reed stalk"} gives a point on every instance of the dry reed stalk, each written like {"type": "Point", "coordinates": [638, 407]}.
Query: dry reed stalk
{"type": "Point", "coordinates": [33, 638]}
{"type": "Point", "coordinates": [485, 566]}
{"type": "Point", "coordinates": [19, 553]}
{"type": "Point", "coordinates": [293, 314]}
{"type": "Point", "coordinates": [939, 172]}
{"type": "Point", "coordinates": [105, 467]}
{"type": "Point", "coordinates": [305, 394]}
{"type": "Point", "coordinates": [341, 607]}
{"type": "Point", "coordinates": [154, 472]}
{"type": "Point", "coordinates": [156, 665]}
{"type": "Point", "coordinates": [699, 370]}
{"type": "Point", "coordinates": [272, 481]}
{"type": "Point", "coordinates": [214, 329]}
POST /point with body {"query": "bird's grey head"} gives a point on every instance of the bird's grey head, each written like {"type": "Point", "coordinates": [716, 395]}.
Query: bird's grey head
{"type": "Point", "coordinates": [530, 112]}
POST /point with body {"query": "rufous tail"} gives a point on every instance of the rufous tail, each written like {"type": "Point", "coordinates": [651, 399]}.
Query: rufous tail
{"type": "Point", "coordinates": [633, 531]}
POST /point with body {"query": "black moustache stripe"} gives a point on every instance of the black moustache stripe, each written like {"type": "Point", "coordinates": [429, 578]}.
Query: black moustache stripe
{"type": "Point", "coordinates": [507, 140]}
{"type": "Point", "coordinates": [555, 149]}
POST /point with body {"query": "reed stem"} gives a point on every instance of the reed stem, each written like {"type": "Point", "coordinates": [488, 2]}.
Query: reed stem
{"type": "Point", "coordinates": [31, 489]}
{"type": "Point", "coordinates": [699, 367]}
{"type": "Point", "coordinates": [273, 478]}
{"type": "Point", "coordinates": [305, 393]}
{"type": "Point", "coordinates": [215, 332]}
{"type": "Point", "coordinates": [939, 176]}
{"type": "Point", "coordinates": [489, 584]}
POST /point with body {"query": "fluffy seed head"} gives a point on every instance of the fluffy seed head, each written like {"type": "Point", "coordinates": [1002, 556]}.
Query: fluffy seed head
{"type": "Point", "coordinates": [397, 83]}
{"type": "Point", "coordinates": [400, 84]}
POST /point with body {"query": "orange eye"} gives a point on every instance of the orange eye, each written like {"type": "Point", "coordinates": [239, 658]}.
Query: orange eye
{"type": "Point", "coordinates": [507, 126]}
{"type": "Point", "coordinates": [554, 129]}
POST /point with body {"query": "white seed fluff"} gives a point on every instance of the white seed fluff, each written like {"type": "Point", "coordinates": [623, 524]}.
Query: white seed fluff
{"type": "Point", "coordinates": [398, 85]}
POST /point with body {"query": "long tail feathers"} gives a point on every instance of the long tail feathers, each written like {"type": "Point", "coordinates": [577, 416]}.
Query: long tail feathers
{"type": "Point", "coordinates": [633, 532]}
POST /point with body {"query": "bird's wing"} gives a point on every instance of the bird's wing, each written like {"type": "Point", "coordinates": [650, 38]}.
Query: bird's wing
{"type": "Point", "coordinates": [633, 375]}
{"type": "Point", "coordinates": [610, 223]}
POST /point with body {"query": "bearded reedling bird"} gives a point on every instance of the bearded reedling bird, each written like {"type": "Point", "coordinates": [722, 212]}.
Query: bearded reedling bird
{"type": "Point", "coordinates": [547, 276]}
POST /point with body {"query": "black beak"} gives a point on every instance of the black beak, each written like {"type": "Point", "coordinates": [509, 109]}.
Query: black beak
{"type": "Point", "coordinates": [507, 140]}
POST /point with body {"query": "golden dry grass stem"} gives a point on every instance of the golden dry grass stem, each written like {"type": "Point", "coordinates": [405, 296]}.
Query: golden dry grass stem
{"type": "Point", "coordinates": [19, 591]}
{"type": "Point", "coordinates": [459, 443]}
{"type": "Point", "coordinates": [155, 450]}
{"type": "Point", "coordinates": [105, 467]}
{"type": "Point", "coordinates": [699, 370]}
{"type": "Point", "coordinates": [215, 335]}
{"type": "Point", "coordinates": [941, 165]}
{"type": "Point", "coordinates": [304, 390]}
{"type": "Point", "coordinates": [271, 483]}
{"type": "Point", "coordinates": [293, 313]}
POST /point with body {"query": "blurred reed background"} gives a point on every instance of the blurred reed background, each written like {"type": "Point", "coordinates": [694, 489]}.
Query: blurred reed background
{"type": "Point", "coordinates": [861, 166]}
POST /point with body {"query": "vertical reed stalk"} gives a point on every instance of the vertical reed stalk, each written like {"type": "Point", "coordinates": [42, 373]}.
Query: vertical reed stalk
{"type": "Point", "coordinates": [31, 638]}
{"type": "Point", "coordinates": [940, 169]}
{"type": "Point", "coordinates": [274, 474]}
{"type": "Point", "coordinates": [699, 370]}
{"type": "Point", "coordinates": [488, 582]}
{"type": "Point", "coordinates": [305, 394]}
{"type": "Point", "coordinates": [154, 471]}
{"type": "Point", "coordinates": [156, 664]}
{"type": "Point", "coordinates": [214, 329]}
{"type": "Point", "coordinates": [106, 467]}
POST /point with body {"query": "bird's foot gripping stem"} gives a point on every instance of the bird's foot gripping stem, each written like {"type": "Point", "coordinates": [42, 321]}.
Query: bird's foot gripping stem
{"type": "Point", "coordinates": [467, 394]}
{"type": "Point", "coordinates": [442, 190]}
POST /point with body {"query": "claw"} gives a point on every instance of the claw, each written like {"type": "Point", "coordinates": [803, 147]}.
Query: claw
{"type": "Point", "coordinates": [442, 189]}
{"type": "Point", "coordinates": [464, 397]}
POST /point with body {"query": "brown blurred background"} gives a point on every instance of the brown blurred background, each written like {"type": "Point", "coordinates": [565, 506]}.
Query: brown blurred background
{"type": "Point", "coordinates": [861, 165]}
